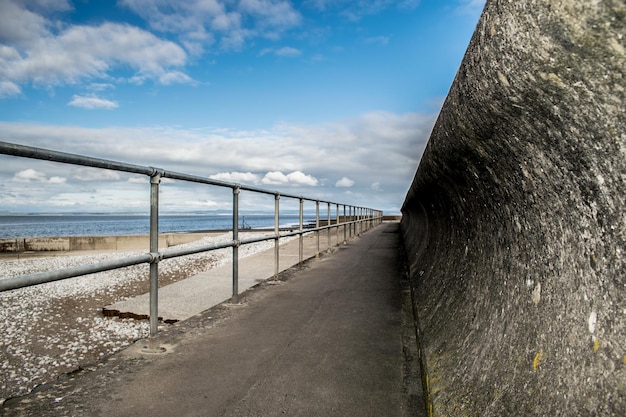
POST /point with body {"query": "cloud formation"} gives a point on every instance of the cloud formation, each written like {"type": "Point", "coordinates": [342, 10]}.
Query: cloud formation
{"type": "Point", "coordinates": [228, 25]}
{"type": "Point", "coordinates": [95, 174]}
{"type": "Point", "coordinates": [344, 182]}
{"type": "Point", "coordinates": [293, 178]}
{"type": "Point", "coordinates": [92, 102]}
{"type": "Point", "coordinates": [237, 177]}
{"type": "Point", "coordinates": [31, 175]}
{"type": "Point", "coordinates": [376, 151]}
{"type": "Point", "coordinates": [36, 49]}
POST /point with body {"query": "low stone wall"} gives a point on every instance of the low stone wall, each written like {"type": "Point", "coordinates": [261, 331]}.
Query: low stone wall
{"type": "Point", "coordinates": [515, 224]}
{"type": "Point", "coordinates": [80, 243]}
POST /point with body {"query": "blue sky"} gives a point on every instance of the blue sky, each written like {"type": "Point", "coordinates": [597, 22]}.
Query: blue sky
{"type": "Point", "coordinates": [332, 99]}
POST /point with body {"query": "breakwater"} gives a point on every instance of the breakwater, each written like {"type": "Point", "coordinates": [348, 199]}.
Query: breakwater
{"type": "Point", "coordinates": [515, 225]}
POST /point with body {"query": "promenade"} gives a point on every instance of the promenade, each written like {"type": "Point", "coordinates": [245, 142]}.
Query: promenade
{"type": "Point", "coordinates": [331, 339]}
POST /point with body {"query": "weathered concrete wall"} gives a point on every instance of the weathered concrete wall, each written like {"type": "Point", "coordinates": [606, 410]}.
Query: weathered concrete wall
{"type": "Point", "coordinates": [515, 224]}
{"type": "Point", "coordinates": [80, 243]}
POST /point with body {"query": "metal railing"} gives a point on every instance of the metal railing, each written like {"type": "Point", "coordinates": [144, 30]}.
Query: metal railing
{"type": "Point", "coordinates": [356, 220]}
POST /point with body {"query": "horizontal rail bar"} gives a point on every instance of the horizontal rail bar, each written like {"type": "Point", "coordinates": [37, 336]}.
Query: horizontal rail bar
{"type": "Point", "coordinates": [359, 215]}
{"type": "Point", "coordinates": [174, 253]}
{"type": "Point", "coordinates": [21, 281]}
{"type": "Point", "coordinates": [12, 283]}
{"type": "Point", "coordinates": [68, 158]}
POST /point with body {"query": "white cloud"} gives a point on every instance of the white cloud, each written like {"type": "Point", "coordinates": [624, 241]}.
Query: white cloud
{"type": "Point", "coordinates": [375, 148]}
{"type": "Point", "coordinates": [94, 174]}
{"type": "Point", "coordinates": [8, 88]}
{"type": "Point", "coordinates": [275, 178]}
{"type": "Point", "coordinates": [298, 177]}
{"type": "Point", "coordinates": [18, 25]}
{"type": "Point", "coordinates": [344, 182]}
{"type": "Point", "coordinates": [271, 13]}
{"type": "Point", "coordinates": [92, 103]}
{"type": "Point", "coordinates": [202, 23]}
{"type": "Point", "coordinates": [100, 86]}
{"type": "Point", "coordinates": [29, 175]}
{"type": "Point", "coordinates": [57, 180]}
{"type": "Point", "coordinates": [175, 77]}
{"type": "Point", "coordinates": [34, 50]}
{"type": "Point", "coordinates": [237, 177]}
{"type": "Point", "coordinates": [287, 51]}
{"type": "Point", "coordinates": [295, 178]}
{"type": "Point", "coordinates": [38, 47]}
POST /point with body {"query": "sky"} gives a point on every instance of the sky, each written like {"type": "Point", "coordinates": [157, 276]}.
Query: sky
{"type": "Point", "coordinates": [328, 99]}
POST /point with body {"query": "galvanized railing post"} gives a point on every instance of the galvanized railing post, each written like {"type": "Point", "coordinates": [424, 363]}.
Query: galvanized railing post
{"type": "Point", "coordinates": [363, 224]}
{"type": "Point", "coordinates": [350, 224]}
{"type": "Point", "coordinates": [317, 232]}
{"type": "Point", "coordinates": [235, 297]}
{"type": "Point", "coordinates": [345, 226]}
{"type": "Point", "coordinates": [155, 180]}
{"type": "Point", "coordinates": [352, 221]}
{"type": "Point", "coordinates": [337, 221]}
{"type": "Point", "coordinates": [328, 224]}
{"type": "Point", "coordinates": [301, 249]}
{"type": "Point", "coordinates": [277, 233]}
{"type": "Point", "coordinates": [360, 220]}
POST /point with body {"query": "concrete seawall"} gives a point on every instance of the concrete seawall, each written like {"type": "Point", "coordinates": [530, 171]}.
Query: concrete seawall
{"type": "Point", "coordinates": [515, 224]}
{"type": "Point", "coordinates": [80, 243]}
{"type": "Point", "coordinates": [126, 242]}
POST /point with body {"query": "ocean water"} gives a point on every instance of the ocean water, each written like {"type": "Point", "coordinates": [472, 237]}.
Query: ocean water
{"type": "Point", "coordinates": [15, 226]}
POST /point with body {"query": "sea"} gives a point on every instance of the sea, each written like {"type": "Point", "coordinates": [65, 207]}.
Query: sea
{"type": "Point", "coordinates": [26, 226]}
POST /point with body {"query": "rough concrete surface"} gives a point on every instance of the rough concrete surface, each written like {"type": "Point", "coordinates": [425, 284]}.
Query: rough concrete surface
{"type": "Point", "coordinates": [515, 224]}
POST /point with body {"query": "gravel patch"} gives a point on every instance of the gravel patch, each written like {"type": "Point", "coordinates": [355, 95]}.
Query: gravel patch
{"type": "Point", "coordinates": [57, 328]}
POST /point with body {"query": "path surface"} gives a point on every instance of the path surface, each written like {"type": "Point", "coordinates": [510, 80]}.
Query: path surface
{"type": "Point", "coordinates": [326, 341]}
{"type": "Point", "coordinates": [188, 297]}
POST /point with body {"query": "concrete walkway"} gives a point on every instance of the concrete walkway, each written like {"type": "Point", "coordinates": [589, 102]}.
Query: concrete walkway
{"type": "Point", "coordinates": [193, 295]}
{"type": "Point", "coordinates": [327, 341]}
